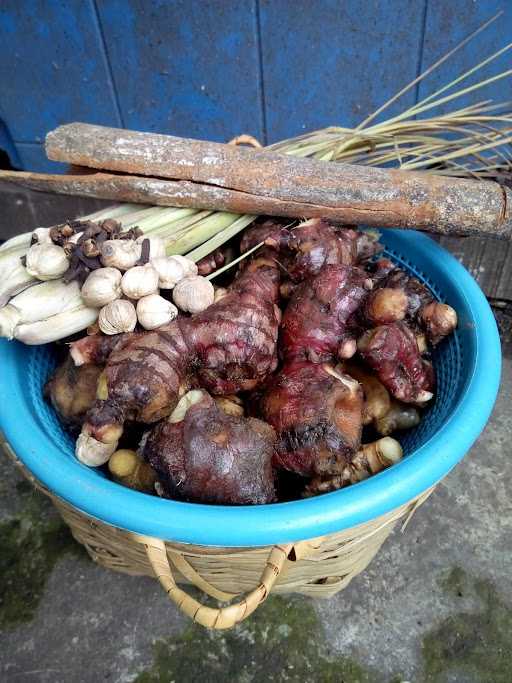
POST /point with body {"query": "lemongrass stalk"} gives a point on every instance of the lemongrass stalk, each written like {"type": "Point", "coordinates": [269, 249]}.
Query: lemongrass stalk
{"type": "Point", "coordinates": [57, 326]}
{"type": "Point", "coordinates": [161, 217]}
{"type": "Point", "coordinates": [18, 281]}
{"type": "Point", "coordinates": [46, 299]}
{"type": "Point", "coordinates": [460, 93]}
{"type": "Point", "coordinates": [114, 211]}
{"type": "Point", "coordinates": [13, 274]}
{"type": "Point", "coordinates": [148, 214]}
{"type": "Point", "coordinates": [234, 261]}
{"type": "Point", "coordinates": [16, 242]}
{"type": "Point", "coordinates": [175, 230]}
{"type": "Point", "coordinates": [203, 231]}
{"type": "Point", "coordinates": [466, 74]}
{"type": "Point", "coordinates": [218, 240]}
{"type": "Point", "coordinates": [429, 70]}
{"type": "Point", "coordinates": [464, 152]}
{"type": "Point", "coordinates": [39, 303]}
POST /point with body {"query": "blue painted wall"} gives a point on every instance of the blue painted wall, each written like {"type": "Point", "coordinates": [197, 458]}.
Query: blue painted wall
{"type": "Point", "coordinates": [216, 68]}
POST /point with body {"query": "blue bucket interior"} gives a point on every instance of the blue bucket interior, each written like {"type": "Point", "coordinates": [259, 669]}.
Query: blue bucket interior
{"type": "Point", "coordinates": [467, 367]}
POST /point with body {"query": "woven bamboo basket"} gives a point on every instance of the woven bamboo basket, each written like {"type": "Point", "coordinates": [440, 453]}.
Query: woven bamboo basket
{"type": "Point", "coordinates": [314, 546]}
{"type": "Point", "coordinates": [245, 577]}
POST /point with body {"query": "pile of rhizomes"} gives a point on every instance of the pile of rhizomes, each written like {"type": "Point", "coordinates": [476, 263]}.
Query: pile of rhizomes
{"type": "Point", "coordinates": [267, 394]}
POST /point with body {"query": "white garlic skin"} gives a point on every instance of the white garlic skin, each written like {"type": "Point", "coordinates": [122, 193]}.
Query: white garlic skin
{"type": "Point", "coordinates": [117, 317]}
{"type": "Point", "coordinates": [193, 294]}
{"type": "Point", "coordinates": [140, 281]}
{"type": "Point", "coordinates": [121, 254]}
{"type": "Point", "coordinates": [154, 311]}
{"type": "Point", "coordinates": [42, 236]}
{"type": "Point", "coordinates": [170, 271]}
{"type": "Point", "coordinates": [156, 246]}
{"type": "Point", "coordinates": [46, 261]}
{"type": "Point", "coordinates": [101, 287]}
{"type": "Point", "coordinates": [189, 267]}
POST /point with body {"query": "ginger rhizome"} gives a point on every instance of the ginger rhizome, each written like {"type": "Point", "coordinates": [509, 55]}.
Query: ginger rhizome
{"type": "Point", "coordinates": [228, 348]}
{"type": "Point", "coordinates": [205, 455]}
{"type": "Point", "coordinates": [347, 348]}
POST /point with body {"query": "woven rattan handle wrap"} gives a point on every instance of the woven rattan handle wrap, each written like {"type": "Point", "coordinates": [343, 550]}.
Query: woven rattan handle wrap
{"type": "Point", "coordinates": [222, 617]}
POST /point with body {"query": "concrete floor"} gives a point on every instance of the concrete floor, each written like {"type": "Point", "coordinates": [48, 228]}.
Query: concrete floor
{"type": "Point", "coordinates": [434, 606]}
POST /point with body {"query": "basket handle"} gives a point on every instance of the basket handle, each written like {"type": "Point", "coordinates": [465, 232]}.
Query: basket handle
{"type": "Point", "coordinates": [220, 617]}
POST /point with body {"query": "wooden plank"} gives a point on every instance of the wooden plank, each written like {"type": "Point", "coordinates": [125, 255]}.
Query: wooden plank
{"type": "Point", "coordinates": [185, 68]}
{"type": "Point", "coordinates": [52, 68]}
{"type": "Point", "coordinates": [332, 63]}
{"type": "Point", "coordinates": [488, 260]}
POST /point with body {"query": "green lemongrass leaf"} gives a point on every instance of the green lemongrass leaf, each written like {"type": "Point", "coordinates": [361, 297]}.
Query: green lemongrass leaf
{"type": "Point", "coordinates": [466, 74]}
{"type": "Point", "coordinates": [234, 261]}
{"type": "Point", "coordinates": [147, 216]}
{"type": "Point", "coordinates": [464, 152]}
{"type": "Point", "coordinates": [160, 218]}
{"type": "Point", "coordinates": [218, 240]}
{"type": "Point", "coordinates": [114, 211]}
{"type": "Point", "coordinates": [179, 228]}
{"type": "Point", "coordinates": [428, 71]}
{"type": "Point", "coordinates": [204, 231]}
{"type": "Point", "coordinates": [461, 93]}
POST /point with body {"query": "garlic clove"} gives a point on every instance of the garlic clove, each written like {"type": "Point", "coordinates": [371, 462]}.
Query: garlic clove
{"type": "Point", "coordinates": [193, 294]}
{"type": "Point", "coordinates": [121, 254]}
{"type": "Point", "coordinates": [101, 287]}
{"type": "Point", "coordinates": [156, 246]}
{"type": "Point", "coordinates": [140, 281]}
{"type": "Point", "coordinates": [170, 271]}
{"type": "Point", "coordinates": [117, 317]}
{"type": "Point", "coordinates": [46, 261]}
{"type": "Point", "coordinates": [154, 311]}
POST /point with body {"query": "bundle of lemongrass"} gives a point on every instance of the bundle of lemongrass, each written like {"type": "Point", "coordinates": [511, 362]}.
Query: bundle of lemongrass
{"type": "Point", "coordinates": [471, 142]}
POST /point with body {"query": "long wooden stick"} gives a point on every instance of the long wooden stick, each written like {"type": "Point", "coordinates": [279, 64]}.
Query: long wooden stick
{"type": "Point", "coordinates": [181, 172]}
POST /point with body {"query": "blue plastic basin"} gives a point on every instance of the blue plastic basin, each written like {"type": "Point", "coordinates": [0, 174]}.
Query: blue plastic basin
{"type": "Point", "coordinates": [468, 367]}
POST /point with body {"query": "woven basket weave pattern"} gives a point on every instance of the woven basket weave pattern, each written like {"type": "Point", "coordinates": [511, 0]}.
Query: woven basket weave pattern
{"type": "Point", "coordinates": [319, 567]}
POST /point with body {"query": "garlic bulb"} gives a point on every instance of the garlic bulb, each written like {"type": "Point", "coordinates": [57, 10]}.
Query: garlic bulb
{"type": "Point", "coordinates": [41, 236]}
{"type": "Point", "coordinates": [117, 316]}
{"type": "Point", "coordinates": [122, 254]}
{"type": "Point", "coordinates": [46, 261]}
{"type": "Point", "coordinates": [170, 271]}
{"type": "Point", "coordinates": [193, 294]}
{"type": "Point", "coordinates": [156, 246]}
{"type": "Point", "coordinates": [189, 267]}
{"type": "Point", "coordinates": [154, 311]}
{"type": "Point", "coordinates": [140, 281]}
{"type": "Point", "coordinates": [101, 287]}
